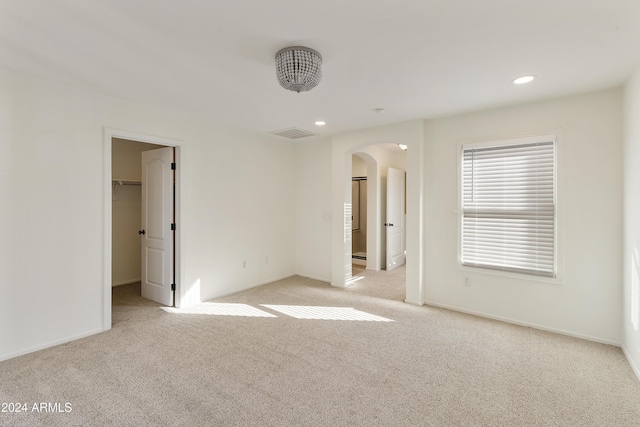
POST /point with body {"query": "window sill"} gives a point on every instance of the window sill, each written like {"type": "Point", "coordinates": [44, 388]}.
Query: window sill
{"type": "Point", "coordinates": [516, 276]}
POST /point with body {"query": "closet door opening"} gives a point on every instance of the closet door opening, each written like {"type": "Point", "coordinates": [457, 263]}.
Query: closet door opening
{"type": "Point", "coordinates": [142, 222]}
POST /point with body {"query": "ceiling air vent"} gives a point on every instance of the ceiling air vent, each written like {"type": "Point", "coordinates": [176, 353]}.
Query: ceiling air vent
{"type": "Point", "coordinates": [293, 133]}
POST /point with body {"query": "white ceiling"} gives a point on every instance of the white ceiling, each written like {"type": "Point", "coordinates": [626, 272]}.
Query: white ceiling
{"type": "Point", "coordinates": [415, 58]}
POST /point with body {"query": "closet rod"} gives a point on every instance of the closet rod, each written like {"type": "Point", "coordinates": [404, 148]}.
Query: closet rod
{"type": "Point", "coordinates": [125, 182]}
{"type": "Point", "coordinates": [117, 183]}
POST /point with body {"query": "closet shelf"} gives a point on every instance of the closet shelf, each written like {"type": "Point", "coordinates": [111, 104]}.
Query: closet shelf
{"type": "Point", "coordinates": [126, 182]}
{"type": "Point", "coordinates": [117, 183]}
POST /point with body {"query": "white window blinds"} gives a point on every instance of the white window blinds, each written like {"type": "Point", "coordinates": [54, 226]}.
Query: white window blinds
{"type": "Point", "coordinates": [508, 207]}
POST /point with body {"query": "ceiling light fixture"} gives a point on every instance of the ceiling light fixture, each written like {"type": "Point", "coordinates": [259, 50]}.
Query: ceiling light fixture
{"type": "Point", "coordinates": [523, 79]}
{"type": "Point", "coordinates": [298, 68]}
{"type": "Point", "coordinates": [403, 146]}
{"type": "Point", "coordinates": [320, 123]}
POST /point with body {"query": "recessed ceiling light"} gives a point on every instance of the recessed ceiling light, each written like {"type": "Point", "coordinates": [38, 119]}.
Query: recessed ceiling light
{"type": "Point", "coordinates": [523, 79]}
{"type": "Point", "coordinates": [320, 123]}
{"type": "Point", "coordinates": [379, 110]}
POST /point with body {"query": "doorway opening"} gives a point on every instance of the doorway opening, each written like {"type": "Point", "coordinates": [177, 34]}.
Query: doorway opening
{"type": "Point", "coordinates": [142, 237]}
{"type": "Point", "coordinates": [375, 246]}
{"type": "Point", "coordinates": [126, 220]}
{"type": "Point", "coordinates": [359, 219]}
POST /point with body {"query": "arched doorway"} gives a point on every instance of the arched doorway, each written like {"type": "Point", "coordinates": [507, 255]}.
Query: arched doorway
{"type": "Point", "coordinates": [343, 148]}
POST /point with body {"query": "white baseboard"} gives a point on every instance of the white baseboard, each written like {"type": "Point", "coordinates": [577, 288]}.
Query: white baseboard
{"type": "Point", "coordinates": [636, 368]}
{"type": "Point", "coordinates": [125, 282]}
{"type": "Point", "coordinates": [49, 344]}
{"type": "Point", "coordinates": [275, 279]}
{"type": "Point", "coordinates": [251, 286]}
{"type": "Point", "coordinates": [527, 324]}
{"type": "Point", "coordinates": [321, 279]}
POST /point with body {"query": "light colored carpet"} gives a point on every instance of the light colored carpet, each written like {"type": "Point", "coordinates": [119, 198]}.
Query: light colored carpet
{"type": "Point", "coordinates": [129, 295]}
{"type": "Point", "coordinates": [425, 367]}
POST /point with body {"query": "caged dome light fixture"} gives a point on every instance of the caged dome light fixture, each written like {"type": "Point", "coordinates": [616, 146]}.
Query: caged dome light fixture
{"type": "Point", "coordinates": [298, 68]}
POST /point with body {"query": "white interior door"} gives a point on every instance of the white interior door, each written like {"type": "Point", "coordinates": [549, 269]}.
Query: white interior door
{"type": "Point", "coordinates": [395, 218]}
{"type": "Point", "coordinates": [157, 223]}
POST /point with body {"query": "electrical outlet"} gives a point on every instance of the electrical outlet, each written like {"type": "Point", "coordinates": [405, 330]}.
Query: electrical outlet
{"type": "Point", "coordinates": [244, 264]}
{"type": "Point", "coordinates": [466, 282]}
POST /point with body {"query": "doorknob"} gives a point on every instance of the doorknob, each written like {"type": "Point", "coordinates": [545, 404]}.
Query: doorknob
{"type": "Point", "coordinates": [388, 224]}
{"type": "Point", "coordinates": [141, 232]}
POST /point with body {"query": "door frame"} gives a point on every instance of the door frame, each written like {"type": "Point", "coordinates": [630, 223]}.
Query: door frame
{"type": "Point", "coordinates": [109, 134]}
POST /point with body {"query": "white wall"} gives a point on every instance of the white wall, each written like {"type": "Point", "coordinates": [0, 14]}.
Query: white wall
{"type": "Point", "coordinates": [631, 253]}
{"type": "Point", "coordinates": [239, 197]}
{"type": "Point", "coordinates": [240, 192]}
{"type": "Point", "coordinates": [588, 301]}
{"type": "Point", "coordinates": [313, 208]}
{"type": "Point", "coordinates": [358, 167]}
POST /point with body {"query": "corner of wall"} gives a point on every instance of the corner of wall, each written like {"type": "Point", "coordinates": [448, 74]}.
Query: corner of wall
{"type": "Point", "coordinates": [634, 367]}
{"type": "Point", "coordinates": [631, 225]}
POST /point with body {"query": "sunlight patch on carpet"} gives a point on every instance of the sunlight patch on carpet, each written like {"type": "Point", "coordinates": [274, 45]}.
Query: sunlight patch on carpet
{"type": "Point", "coordinates": [220, 309]}
{"type": "Point", "coordinates": [353, 280]}
{"type": "Point", "coordinates": [325, 313]}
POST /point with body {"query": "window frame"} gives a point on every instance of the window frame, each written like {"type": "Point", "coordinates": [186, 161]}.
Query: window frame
{"type": "Point", "coordinates": [556, 137]}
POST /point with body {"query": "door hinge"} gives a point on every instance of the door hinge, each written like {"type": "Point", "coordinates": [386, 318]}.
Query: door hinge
{"type": "Point", "coordinates": [173, 166]}
{"type": "Point", "coordinates": [173, 226]}
{"type": "Point", "coordinates": [173, 286]}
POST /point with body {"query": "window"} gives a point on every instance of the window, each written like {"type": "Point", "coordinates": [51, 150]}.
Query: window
{"type": "Point", "coordinates": [509, 206]}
